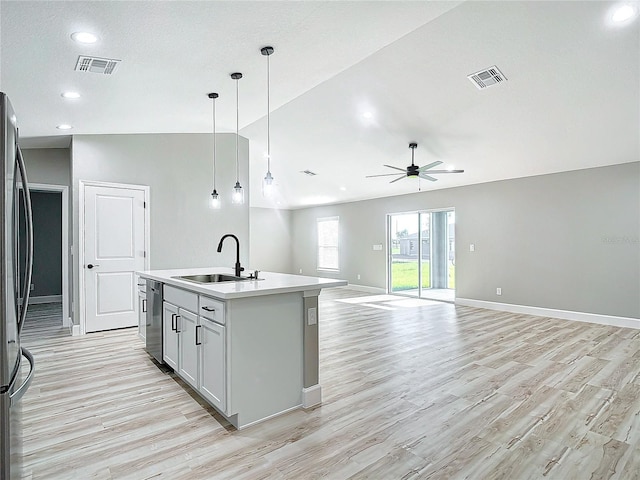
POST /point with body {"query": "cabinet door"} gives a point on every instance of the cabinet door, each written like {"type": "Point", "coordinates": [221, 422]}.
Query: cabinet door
{"type": "Point", "coordinates": [188, 351]}
{"type": "Point", "coordinates": [169, 335]}
{"type": "Point", "coordinates": [142, 315]}
{"type": "Point", "coordinates": [212, 363]}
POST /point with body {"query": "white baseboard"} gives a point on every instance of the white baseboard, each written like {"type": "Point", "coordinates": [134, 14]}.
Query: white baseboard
{"type": "Point", "coordinates": [45, 299]}
{"type": "Point", "coordinates": [311, 396]}
{"type": "Point", "coordinates": [611, 320]}
{"type": "Point", "coordinates": [365, 288]}
{"type": "Point", "coordinates": [74, 330]}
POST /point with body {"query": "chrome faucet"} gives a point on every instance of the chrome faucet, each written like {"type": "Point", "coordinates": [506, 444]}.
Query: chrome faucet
{"type": "Point", "coordinates": [238, 268]}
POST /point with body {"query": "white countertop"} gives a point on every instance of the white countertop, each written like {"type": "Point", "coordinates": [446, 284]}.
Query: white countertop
{"type": "Point", "coordinates": [269, 283]}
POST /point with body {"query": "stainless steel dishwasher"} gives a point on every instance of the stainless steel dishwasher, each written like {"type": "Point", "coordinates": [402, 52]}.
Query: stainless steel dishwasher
{"type": "Point", "coordinates": [154, 319]}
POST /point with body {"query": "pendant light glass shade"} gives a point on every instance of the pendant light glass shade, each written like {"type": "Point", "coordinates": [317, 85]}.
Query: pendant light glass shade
{"type": "Point", "coordinates": [238, 192]}
{"type": "Point", "coordinates": [268, 185]}
{"type": "Point", "coordinates": [214, 202]}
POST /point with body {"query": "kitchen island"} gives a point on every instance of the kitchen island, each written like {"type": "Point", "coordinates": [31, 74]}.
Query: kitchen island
{"type": "Point", "coordinates": [249, 347]}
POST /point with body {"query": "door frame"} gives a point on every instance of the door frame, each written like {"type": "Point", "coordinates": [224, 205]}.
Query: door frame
{"type": "Point", "coordinates": [66, 293]}
{"type": "Point", "coordinates": [81, 237]}
{"type": "Point", "coordinates": [389, 286]}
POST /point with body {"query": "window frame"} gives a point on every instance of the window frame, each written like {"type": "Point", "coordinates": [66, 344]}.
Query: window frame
{"type": "Point", "coordinates": [320, 220]}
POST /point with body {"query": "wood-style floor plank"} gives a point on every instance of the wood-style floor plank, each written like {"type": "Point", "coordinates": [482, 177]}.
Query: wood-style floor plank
{"type": "Point", "coordinates": [410, 391]}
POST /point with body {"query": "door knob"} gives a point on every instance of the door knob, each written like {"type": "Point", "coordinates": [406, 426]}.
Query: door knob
{"type": "Point", "coordinates": [90, 266]}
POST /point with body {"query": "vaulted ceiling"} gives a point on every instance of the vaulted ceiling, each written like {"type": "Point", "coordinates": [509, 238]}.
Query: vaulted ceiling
{"type": "Point", "coordinates": [571, 99]}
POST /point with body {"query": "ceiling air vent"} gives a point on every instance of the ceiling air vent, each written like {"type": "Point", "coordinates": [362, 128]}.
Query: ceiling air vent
{"type": "Point", "coordinates": [308, 172]}
{"type": "Point", "coordinates": [487, 77]}
{"type": "Point", "coordinates": [106, 66]}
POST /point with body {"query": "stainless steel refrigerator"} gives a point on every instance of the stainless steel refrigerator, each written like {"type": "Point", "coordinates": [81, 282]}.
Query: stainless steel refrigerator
{"type": "Point", "coordinates": [14, 294]}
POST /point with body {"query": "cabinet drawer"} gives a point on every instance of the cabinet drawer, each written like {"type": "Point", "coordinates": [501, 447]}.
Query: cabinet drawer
{"type": "Point", "coordinates": [181, 298]}
{"type": "Point", "coordinates": [212, 309]}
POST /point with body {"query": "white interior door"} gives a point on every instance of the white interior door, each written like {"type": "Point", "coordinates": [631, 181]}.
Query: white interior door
{"type": "Point", "coordinates": [114, 246]}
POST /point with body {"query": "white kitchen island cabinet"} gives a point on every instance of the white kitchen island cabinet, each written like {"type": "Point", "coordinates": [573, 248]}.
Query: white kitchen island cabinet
{"type": "Point", "coordinates": [249, 348]}
{"type": "Point", "coordinates": [188, 353]}
{"type": "Point", "coordinates": [213, 383]}
{"type": "Point", "coordinates": [170, 335]}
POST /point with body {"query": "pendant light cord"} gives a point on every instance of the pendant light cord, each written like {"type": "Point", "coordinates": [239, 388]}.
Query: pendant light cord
{"type": "Point", "coordinates": [214, 144]}
{"type": "Point", "coordinates": [268, 117]}
{"type": "Point", "coordinates": [237, 129]}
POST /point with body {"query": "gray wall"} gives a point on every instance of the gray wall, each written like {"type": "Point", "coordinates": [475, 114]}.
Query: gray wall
{"type": "Point", "coordinates": [270, 245]}
{"type": "Point", "coordinates": [178, 170]}
{"type": "Point", "coordinates": [566, 241]}
{"type": "Point", "coordinates": [48, 165]}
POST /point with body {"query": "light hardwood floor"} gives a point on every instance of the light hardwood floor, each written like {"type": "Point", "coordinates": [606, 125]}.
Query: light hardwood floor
{"type": "Point", "coordinates": [416, 391]}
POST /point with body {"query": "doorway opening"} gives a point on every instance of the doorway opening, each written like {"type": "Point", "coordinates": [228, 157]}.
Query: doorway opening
{"type": "Point", "coordinates": [50, 292]}
{"type": "Point", "coordinates": [421, 255]}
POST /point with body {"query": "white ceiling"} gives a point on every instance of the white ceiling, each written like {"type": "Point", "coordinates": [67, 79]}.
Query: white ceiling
{"type": "Point", "coordinates": [572, 99]}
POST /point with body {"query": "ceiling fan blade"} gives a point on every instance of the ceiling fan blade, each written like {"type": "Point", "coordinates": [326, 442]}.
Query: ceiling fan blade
{"type": "Point", "coordinates": [399, 178]}
{"type": "Point", "coordinates": [431, 165]}
{"type": "Point", "coordinates": [427, 177]}
{"type": "Point", "coordinates": [396, 168]}
{"type": "Point", "coordinates": [444, 171]}
{"type": "Point", "coordinates": [381, 175]}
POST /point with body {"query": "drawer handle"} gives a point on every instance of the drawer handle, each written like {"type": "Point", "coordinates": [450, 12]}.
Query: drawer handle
{"type": "Point", "coordinates": [198, 327]}
{"type": "Point", "coordinates": [209, 309]}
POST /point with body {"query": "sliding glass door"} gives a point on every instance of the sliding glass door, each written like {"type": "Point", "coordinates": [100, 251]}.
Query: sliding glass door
{"type": "Point", "coordinates": [404, 243]}
{"type": "Point", "coordinates": [421, 255]}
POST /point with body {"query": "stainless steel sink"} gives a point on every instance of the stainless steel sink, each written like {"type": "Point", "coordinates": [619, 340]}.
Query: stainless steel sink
{"type": "Point", "coordinates": [212, 278]}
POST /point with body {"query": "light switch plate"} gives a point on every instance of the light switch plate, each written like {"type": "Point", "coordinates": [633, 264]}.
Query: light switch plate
{"type": "Point", "coordinates": [472, 247]}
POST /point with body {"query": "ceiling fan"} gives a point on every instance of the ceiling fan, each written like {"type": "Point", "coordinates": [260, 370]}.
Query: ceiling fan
{"type": "Point", "coordinates": [414, 171]}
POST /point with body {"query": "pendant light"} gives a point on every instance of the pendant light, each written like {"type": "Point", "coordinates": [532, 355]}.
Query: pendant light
{"type": "Point", "coordinates": [267, 183]}
{"type": "Point", "coordinates": [215, 198]}
{"type": "Point", "coordinates": [238, 192]}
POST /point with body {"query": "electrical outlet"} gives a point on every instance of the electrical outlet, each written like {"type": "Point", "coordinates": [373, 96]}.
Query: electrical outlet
{"type": "Point", "coordinates": [300, 270]}
{"type": "Point", "coordinates": [312, 317]}
{"type": "Point", "coordinates": [32, 287]}
{"type": "Point", "coordinates": [498, 291]}
{"type": "Point", "coordinates": [358, 276]}
{"type": "Point", "coordinates": [472, 247]}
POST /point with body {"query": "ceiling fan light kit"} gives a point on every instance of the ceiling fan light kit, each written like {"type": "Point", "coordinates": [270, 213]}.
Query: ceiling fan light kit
{"type": "Point", "coordinates": [414, 171]}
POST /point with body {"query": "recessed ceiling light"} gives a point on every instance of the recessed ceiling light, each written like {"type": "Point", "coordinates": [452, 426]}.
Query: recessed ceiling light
{"type": "Point", "coordinates": [70, 94]}
{"type": "Point", "coordinates": [367, 115]}
{"type": "Point", "coordinates": [64, 126]}
{"type": "Point", "coordinates": [84, 37]}
{"type": "Point", "coordinates": [344, 189]}
{"type": "Point", "coordinates": [624, 13]}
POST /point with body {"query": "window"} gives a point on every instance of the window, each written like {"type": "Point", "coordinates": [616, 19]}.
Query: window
{"type": "Point", "coordinates": [328, 244]}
